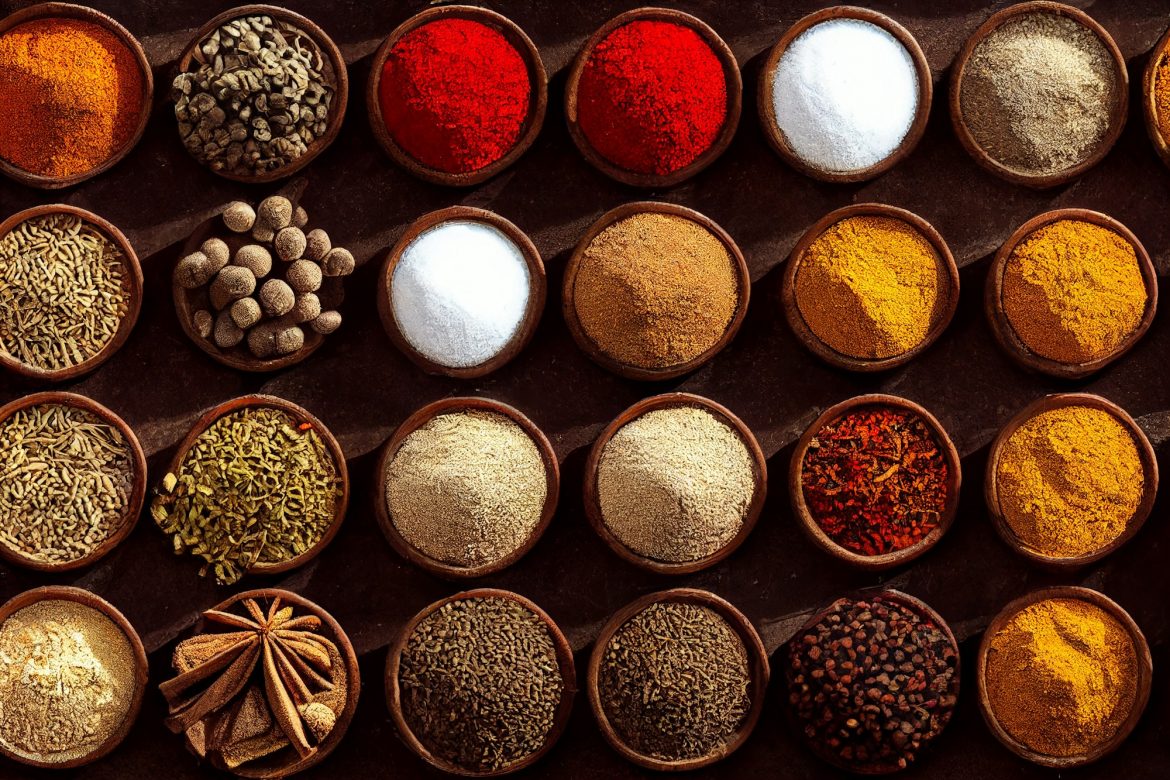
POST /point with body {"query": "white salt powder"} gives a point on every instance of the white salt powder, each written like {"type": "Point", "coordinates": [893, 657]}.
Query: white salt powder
{"type": "Point", "coordinates": [844, 94]}
{"type": "Point", "coordinates": [459, 293]}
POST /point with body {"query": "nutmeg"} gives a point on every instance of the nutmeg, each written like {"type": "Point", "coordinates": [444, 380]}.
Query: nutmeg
{"type": "Point", "coordinates": [230, 284]}
{"type": "Point", "coordinates": [317, 245]}
{"type": "Point", "coordinates": [276, 298]}
{"type": "Point", "coordinates": [275, 212]}
{"type": "Point", "coordinates": [304, 276]}
{"type": "Point", "coordinates": [255, 258]}
{"type": "Point", "coordinates": [245, 312]}
{"type": "Point", "coordinates": [193, 271]}
{"type": "Point", "coordinates": [339, 262]}
{"type": "Point", "coordinates": [306, 308]}
{"type": "Point", "coordinates": [227, 333]}
{"type": "Point", "coordinates": [263, 234]}
{"type": "Point", "coordinates": [326, 322]}
{"type": "Point", "coordinates": [203, 322]}
{"type": "Point", "coordinates": [262, 340]}
{"type": "Point", "coordinates": [239, 217]}
{"type": "Point", "coordinates": [217, 253]}
{"type": "Point", "coordinates": [290, 243]}
{"type": "Point", "coordinates": [289, 340]}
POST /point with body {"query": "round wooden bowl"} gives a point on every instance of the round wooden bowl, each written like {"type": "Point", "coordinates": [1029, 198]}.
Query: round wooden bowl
{"type": "Point", "coordinates": [670, 400]}
{"type": "Point", "coordinates": [138, 479]}
{"type": "Point", "coordinates": [1150, 98]}
{"type": "Point", "coordinates": [1117, 114]}
{"type": "Point", "coordinates": [537, 103]}
{"type": "Point", "coordinates": [131, 279]}
{"type": "Point", "coordinates": [420, 418]}
{"type": "Point", "coordinates": [330, 54]}
{"type": "Point", "coordinates": [730, 122]}
{"type": "Point", "coordinates": [536, 298]}
{"type": "Point", "coordinates": [771, 126]}
{"type": "Point", "coordinates": [822, 539]}
{"type": "Point", "coordinates": [141, 670]}
{"type": "Point", "coordinates": [1002, 328]}
{"type": "Point", "coordinates": [84, 14]}
{"type": "Point", "coordinates": [1144, 674]}
{"type": "Point", "coordinates": [564, 653]}
{"type": "Point", "coordinates": [1058, 401]}
{"type": "Point", "coordinates": [303, 417]}
{"type": "Point", "coordinates": [757, 665]}
{"type": "Point", "coordinates": [949, 295]}
{"type": "Point", "coordinates": [568, 302]}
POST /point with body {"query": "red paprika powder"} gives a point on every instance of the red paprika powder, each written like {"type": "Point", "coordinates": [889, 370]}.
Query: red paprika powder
{"type": "Point", "coordinates": [454, 94]}
{"type": "Point", "coordinates": [652, 97]}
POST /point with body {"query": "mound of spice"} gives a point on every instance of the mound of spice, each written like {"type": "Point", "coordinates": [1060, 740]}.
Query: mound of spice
{"type": "Point", "coordinates": [258, 97]}
{"type": "Point", "coordinates": [258, 487]}
{"type": "Point", "coordinates": [467, 488]}
{"type": "Point", "coordinates": [67, 681]}
{"type": "Point", "coordinates": [674, 682]}
{"type": "Point", "coordinates": [872, 683]}
{"type": "Point", "coordinates": [1162, 96]}
{"type": "Point", "coordinates": [1073, 291]}
{"type": "Point", "coordinates": [480, 683]}
{"type": "Point", "coordinates": [875, 479]}
{"type": "Point", "coordinates": [70, 93]}
{"type": "Point", "coordinates": [871, 287]}
{"type": "Point", "coordinates": [455, 94]}
{"type": "Point", "coordinates": [1061, 677]}
{"type": "Point", "coordinates": [652, 97]}
{"type": "Point", "coordinates": [64, 291]}
{"type": "Point", "coordinates": [655, 290]}
{"type": "Point", "coordinates": [675, 484]}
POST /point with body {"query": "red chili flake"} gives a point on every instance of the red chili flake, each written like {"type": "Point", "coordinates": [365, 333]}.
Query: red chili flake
{"type": "Point", "coordinates": [305, 427]}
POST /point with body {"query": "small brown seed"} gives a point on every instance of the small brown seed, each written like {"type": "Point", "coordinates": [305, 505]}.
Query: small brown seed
{"type": "Point", "coordinates": [245, 312]}
{"type": "Point", "coordinates": [203, 321]}
{"type": "Point", "coordinates": [326, 322]}
{"type": "Point", "coordinates": [217, 253]}
{"type": "Point", "coordinates": [290, 244]}
{"type": "Point", "coordinates": [227, 334]}
{"type": "Point", "coordinates": [255, 258]}
{"type": "Point", "coordinates": [230, 284]}
{"type": "Point", "coordinates": [239, 217]}
{"type": "Point", "coordinates": [276, 298]}
{"type": "Point", "coordinates": [338, 262]}
{"type": "Point", "coordinates": [317, 245]}
{"type": "Point", "coordinates": [193, 271]}
{"type": "Point", "coordinates": [275, 212]}
{"type": "Point", "coordinates": [304, 276]}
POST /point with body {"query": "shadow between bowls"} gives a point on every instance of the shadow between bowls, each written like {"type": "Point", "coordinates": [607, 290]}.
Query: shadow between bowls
{"type": "Point", "coordinates": [757, 663]}
{"type": "Point", "coordinates": [1058, 401]}
{"type": "Point", "coordinates": [537, 103]}
{"type": "Point", "coordinates": [138, 480]}
{"type": "Point", "coordinates": [823, 540]}
{"type": "Point", "coordinates": [568, 301]}
{"type": "Point", "coordinates": [453, 406]}
{"type": "Point", "coordinates": [1006, 335]}
{"type": "Point", "coordinates": [665, 401]}
{"type": "Point", "coordinates": [338, 79]}
{"type": "Point", "coordinates": [538, 289]}
{"type": "Point", "coordinates": [1150, 98]}
{"type": "Point", "coordinates": [1142, 684]}
{"type": "Point", "coordinates": [1117, 114]}
{"type": "Point", "coordinates": [141, 670]}
{"type": "Point", "coordinates": [730, 122]}
{"type": "Point", "coordinates": [771, 126]}
{"type": "Point", "coordinates": [945, 311]}
{"type": "Point", "coordinates": [564, 654]}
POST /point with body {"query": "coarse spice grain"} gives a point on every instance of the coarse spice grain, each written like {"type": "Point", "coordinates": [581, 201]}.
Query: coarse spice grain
{"type": "Point", "coordinates": [1162, 96]}
{"type": "Point", "coordinates": [674, 682]}
{"type": "Point", "coordinates": [480, 683]}
{"type": "Point", "coordinates": [675, 484]}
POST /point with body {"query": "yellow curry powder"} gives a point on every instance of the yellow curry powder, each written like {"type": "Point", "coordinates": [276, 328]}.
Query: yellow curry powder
{"type": "Point", "coordinates": [1073, 291]}
{"type": "Point", "coordinates": [1162, 97]}
{"type": "Point", "coordinates": [1062, 676]}
{"type": "Point", "coordinates": [1069, 480]}
{"type": "Point", "coordinates": [870, 287]}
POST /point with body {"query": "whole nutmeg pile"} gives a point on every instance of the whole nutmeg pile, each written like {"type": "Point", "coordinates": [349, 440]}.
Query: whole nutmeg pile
{"type": "Point", "coordinates": [266, 292]}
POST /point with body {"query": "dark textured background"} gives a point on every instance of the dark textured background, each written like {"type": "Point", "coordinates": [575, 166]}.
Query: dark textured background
{"type": "Point", "coordinates": [362, 388]}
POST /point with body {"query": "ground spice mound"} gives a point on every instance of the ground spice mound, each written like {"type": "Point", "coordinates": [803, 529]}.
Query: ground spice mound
{"type": "Point", "coordinates": [70, 95]}
{"type": "Point", "coordinates": [1062, 677]}
{"type": "Point", "coordinates": [655, 290]}
{"type": "Point", "coordinates": [1162, 96]}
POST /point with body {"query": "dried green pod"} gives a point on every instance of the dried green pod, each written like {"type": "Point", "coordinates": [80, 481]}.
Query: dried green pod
{"type": "Point", "coordinates": [317, 245]}
{"type": "Point", "coordinates": [290, 244]}
{"type": "Point", "coordinates": [275, 212]}
{"type": "Point", "coordinates": [239, 217]}
{"type": "Point", "coordinates": [306, 308]}
{"type": "Point", "coordinates": [304, 276]}
{"type": "Point", "coordinates": [203, 320]}
{"type": "Point", "coordinates": [255, 258]}
{"type": "Point", "coordinates": [339, 262]}
{"type": "Point", "coordinates": [227, 334]}
{"type": "Point", "coordinates": [217, 253]}
{"type": "Point", "coordinates": [245, 312]}
{"type": "Point", "coordinates": [276, 298]}
{"type": "Point", "coordinates": [230, 284]}
{"type": "Point", "coordinates": [326, 322]}
{"type": "Point", "coordinates": [194, 271]}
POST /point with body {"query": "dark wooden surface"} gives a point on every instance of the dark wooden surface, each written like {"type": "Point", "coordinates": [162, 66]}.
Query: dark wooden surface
{"type": "Point", "coordinates": [362, 388]}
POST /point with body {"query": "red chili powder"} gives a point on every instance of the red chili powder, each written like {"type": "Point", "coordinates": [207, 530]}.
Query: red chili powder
{"type": "Point", "coordinates": [454, 95]}
{"type": "Point", "coordinates": [652, 97]}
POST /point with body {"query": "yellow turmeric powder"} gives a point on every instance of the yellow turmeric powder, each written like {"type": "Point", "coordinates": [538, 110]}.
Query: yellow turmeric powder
{"type": "Point", "coordinates": [1073, 291]}
{"type": "Point", "coordinates": [1069, 480]}
{"type": "Point", "coordinates": [1162, 97]}
{"type": "Point", "coordinates": [870, 287]}
{"type": "Point", "coordinates": [1061, 676]}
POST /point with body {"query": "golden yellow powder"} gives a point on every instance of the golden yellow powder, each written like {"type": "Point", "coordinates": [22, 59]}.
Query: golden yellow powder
{"type": "Point", "coordinates": [1162, 97]}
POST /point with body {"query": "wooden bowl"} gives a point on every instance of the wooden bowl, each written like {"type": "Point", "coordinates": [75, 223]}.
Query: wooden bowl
{"type": "Point", "coordinates": [138, 480]}
{"type": "Point", "coordinates": [329, 52]}
{"type": "Point", "coordinates": [564, 653]}
{"type": "Point", "coordinates": [1006, 335]}
{"type": "Point", "coordinates": [665, 401]}
{"type": "Point", "coordinates": [744, 284]}
{"type": "Point", "coordinates": [85, 14]}
{"type": "Point", "coordinates": [132, 281]}
{"type": "Point", "coordinates": [537, 103]}
{"type": "Point", "coordinates": [140, 671]}
{"type": "Point", "coordinates": [536, 276]}
{"type": "Point", "coordinates": [1150, 98]}
{"type": "Point", "coordinates": [420, 418]}
{"type": "Point", "coordinates": [1117, 114]}
{"type": "Point", "coordinates": [822, 539]}
{"type": "Point", "coordinates": [757, 664]}
{"type": "Point", "coordinates": [1144, 674]}
{"type": "Point", "coordinates": [730, 122]}
{"type": "Point", "coordinates": [303, 416]}
{"type": "Point", "coordinates": [942, 318]}
{"type": "Point", "coordinates": [776, 136]}
{"type": "Point", "coordinates": [1058, 401]}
